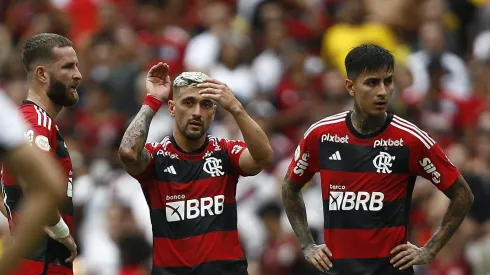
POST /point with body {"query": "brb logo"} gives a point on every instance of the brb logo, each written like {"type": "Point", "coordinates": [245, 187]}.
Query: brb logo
{"type": "Point", "coordinates": [340, 200]}
{"type": "Point", "coordinates": [191, 209]}
{"type": "Point", "coordinates": [389, 142]}
{"type": "Point", "coordinates": [335, 138]}
{"type": "Point", "coordinates": [431, 169]}
{"type": "Point", "coordinates": [213, 167]}
{"type": "Point", "coordinates": [383, 162]}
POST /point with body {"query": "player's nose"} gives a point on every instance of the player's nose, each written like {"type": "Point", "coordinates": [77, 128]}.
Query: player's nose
{"type": "Point", "coordinates": [77, 76]}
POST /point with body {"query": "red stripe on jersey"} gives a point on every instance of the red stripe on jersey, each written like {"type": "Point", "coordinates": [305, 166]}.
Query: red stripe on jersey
{"type": "Point", "coordinates": [30, 267]}
{"type": "Point", "coordinates": [158, 192]}
{"type": "Point", "coordinates": [213, 246]}
{"type": "Point", "coordinates": [393, 186]}
{"type": "Point", "coordinates": [363, 243]}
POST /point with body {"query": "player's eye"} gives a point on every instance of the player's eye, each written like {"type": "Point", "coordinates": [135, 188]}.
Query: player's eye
{"type": "Point", "coordinates": [388, 81]}
{"type": "Point", "coordinates": [187, 102]}
{"type": "Point", "coordinates": [372, 82]}
{"type": "Point", "coordinates": [207, 104]}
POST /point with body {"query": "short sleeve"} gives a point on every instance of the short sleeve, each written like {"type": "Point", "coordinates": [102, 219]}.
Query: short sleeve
{"type": "Point", "coordinates": [12, 125]}
{"type": "Point", "coordinates": [235, 149]}
{"type": "Point", "coordinates": [303, 166]}
{"type": "Point", "coordinates": [146, 175]}
{"type": "Point", "coordinates": [432, 164]}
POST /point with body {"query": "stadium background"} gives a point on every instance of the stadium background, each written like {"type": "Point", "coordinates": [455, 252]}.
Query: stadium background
{"type": "Point", "coordinates": [284, 61]}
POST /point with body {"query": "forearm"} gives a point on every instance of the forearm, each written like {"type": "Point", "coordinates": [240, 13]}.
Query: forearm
{"type": "Point", "coordinates": [461, 201]}
{"type": "Point", "coordinates": [255, 138]}
{"type": "Point", "coordinates": [294, 206]}
{"type": "Point", "coordinates": [134, 139]}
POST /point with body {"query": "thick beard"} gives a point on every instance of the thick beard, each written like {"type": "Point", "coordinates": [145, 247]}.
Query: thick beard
{"type": "Point", "coordinates": [60, 94]}
{"type": "Point", "coordinates": [193, 135]}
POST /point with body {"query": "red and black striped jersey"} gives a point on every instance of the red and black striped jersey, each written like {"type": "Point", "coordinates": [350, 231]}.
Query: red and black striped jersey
{"type": "Point", "coordinates": [367, 183]}
{"type": "Point", "coordinates": [193, 208]}
{"type": "Point", "coordinates": [44, 133]}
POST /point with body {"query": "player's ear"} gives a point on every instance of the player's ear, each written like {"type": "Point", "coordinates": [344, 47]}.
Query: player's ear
{"type": "Point", "coordinates": [349, 85]}
{"type": "Point", "coordinates": [41, 74]}
{"type": "Point", "coordinates": [171, 108]}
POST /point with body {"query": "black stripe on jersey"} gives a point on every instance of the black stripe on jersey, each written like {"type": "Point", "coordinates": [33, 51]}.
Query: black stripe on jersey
{"type": "Point", "coordinates": [393, 213]}
{"type": "Point", "coordinates": [226, 221]}
{"type": "Point", "coordinates": [184, 171]}
{"type": "Point", "coordinates": [61, 150]}
{"type": "Point", "coordinates": [357, 158]}
{"type": "Point", "coordinates": [67, 207]}
{"type": "Point", "coordinates": [225, 267]}
{"type": "Point", "coordinates": [14, 196]}
{"type": "Point", "coordinates": [369, 266]}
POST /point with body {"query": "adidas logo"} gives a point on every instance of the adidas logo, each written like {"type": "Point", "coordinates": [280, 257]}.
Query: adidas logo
{"type": "Point", "coordinates": [170, 170]}
{"type": "Point", "coordinates": [335, 156]}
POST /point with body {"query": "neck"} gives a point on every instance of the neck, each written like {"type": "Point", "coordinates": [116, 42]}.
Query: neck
{"type": "Point", "coordinates": [188, 145]}
{"type": "Point", "coordinates": [365, 124]}
{"type": "Point", "coordinates": [43, 101]}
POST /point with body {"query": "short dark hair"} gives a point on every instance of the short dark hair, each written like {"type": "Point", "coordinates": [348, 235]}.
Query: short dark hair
{"type": "Point", "coordinates": [368, 58]}
{"type": "Point", "coordinates": [40, 47]}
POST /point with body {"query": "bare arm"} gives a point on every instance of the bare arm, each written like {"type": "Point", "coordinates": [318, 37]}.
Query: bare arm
{"type": "Point", "coordinates": [259, 152]}
{"type": "Point", "coordinates": [461, 200]}
{"type": "Point", "coordinates": [296, 212]}
{"type": "Point", "coordinates": [406, 255]}
{"type": "Point", "coordinates": [132, 150]}
{"type": "Point", "coordinates": [42, 174]}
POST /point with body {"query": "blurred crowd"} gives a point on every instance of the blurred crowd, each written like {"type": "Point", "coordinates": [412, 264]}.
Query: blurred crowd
{"type": "Point", "coordinates": [283, 59]}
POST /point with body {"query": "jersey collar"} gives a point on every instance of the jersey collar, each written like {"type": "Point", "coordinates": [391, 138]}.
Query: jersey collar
{"type": "Point", "coordinates": [195, 152]}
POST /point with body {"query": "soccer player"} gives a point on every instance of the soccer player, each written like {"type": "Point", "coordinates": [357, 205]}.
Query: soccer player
{"type": "Point", "coordinates": [368, 161]}
{"type": "Point", "coordinates": [31, 165]}
{"type": "Point", "coordinates": [52, 71]}
{"type": "Point", "coordinates": [189, 179]}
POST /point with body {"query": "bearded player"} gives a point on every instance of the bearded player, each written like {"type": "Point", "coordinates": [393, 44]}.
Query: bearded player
{"type": "Point", "coordinates": [52, 71]}
{"type": "Point", "coordinates": [368, 160]}
{"type": "Point", "coordinates": [190, 178]}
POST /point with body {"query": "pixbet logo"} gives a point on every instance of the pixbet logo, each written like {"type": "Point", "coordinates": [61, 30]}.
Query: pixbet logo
{"type": "Point", "coordinates": [335, 138]}
{"type": "Point", "coordinates": [431, 169]}
{"type": "Point", "coordinates": [389, 142]}
{"type": "Point", "coordinates": [167, 154]}
{"type": "Point", "coordinates": [340, 200]}
{"type": "Point", "coordinates": [193, 208]}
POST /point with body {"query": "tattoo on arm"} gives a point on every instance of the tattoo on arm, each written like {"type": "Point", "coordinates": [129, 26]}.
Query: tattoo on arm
{"type": "Point", "coordinates": [296, 211]}
{"type": "Point", "coordinates": [461, 201]}
{"type": "Point", "coordinates": [134, 140]}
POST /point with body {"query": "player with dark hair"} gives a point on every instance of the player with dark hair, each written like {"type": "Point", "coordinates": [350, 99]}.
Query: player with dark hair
{"type": "Point", "coordinates": [368, 160]}
{"type": "Point", "coordinates": [30, 164]}
{"type": "Point", "coordinates": [52, 71]}
{"type": "Point", "coordinates": [189, 179]}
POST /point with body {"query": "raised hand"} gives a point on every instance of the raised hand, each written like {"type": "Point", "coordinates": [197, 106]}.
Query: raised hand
{"type": "Point", "coordinates": [319, 256]}
{"type": "Point", "coordinates": [219, 92]}
{"type": "Point", "coordinates": [408, 255]}
{"type": "Point", "coordinates": [158, 82]}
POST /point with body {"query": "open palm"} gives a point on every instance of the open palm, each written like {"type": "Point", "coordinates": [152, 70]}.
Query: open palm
{"type": "Point", "coordinates": [158, 81]}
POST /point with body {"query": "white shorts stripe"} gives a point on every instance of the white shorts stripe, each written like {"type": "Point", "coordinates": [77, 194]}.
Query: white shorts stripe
{"type": "Point", "coordinates": [339, 115]}
{"type": "Point", "coordinates": [415, 128]}
{"type": "Point", "coordinates": [321, 124]}
{"type": "Point", "coordinates": [395, 124]}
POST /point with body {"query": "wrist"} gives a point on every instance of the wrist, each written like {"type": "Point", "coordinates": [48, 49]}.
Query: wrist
{"type": "Point", "coordinates": [236, 109]}
{"type": "Point", "coordinates": [153, 102]}
{"type": "Point", "coordinates": [307, 246]}
{"type": "Point", "coordinates": [59, 230]}
{"type": "Point", "coordinates": [428, 254]}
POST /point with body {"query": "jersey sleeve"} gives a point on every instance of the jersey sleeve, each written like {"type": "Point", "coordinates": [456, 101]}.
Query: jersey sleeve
{"type": "Point", "coordinates": [39, 133]}
{"type": "Point", "coordinates": [235, 149]}
{"type": "Point", "coordinates": [432, 163]}
{"type": "Point", "coordinates": [12, 125]}
{"type": "Point", "coordinates": [304, 163]}
{"type": "Point", "coordinates": [145, 177]}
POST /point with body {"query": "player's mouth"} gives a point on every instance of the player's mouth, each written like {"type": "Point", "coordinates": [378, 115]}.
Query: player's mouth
{"type": "Point", "coordinates": [381, 103]}
{"type": "Point", "coordinates": [195, 123]}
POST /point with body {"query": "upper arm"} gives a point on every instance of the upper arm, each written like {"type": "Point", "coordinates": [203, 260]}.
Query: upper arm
{"type": "Point", "coordinates": [304, 163]}
{"type": "Point", "coordinates": [141, 166]}
{"type": "Point", "coordinates": [459, 190]}
{"type": "Point", "coordinates": [240, 158]}
{"type": "Point", "coordinates": [431, 163]}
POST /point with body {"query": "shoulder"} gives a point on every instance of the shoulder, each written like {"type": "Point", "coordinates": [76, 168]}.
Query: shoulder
{"type": "Point", "coordinates": [411, 133]}
{"type": "Point", "coordinates": [37, 117]}
{"type": "Point", "coordinates": [329, 123]}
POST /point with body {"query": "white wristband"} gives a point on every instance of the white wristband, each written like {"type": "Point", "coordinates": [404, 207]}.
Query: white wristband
{"type": "Point", "coordinates": [60, 230]}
